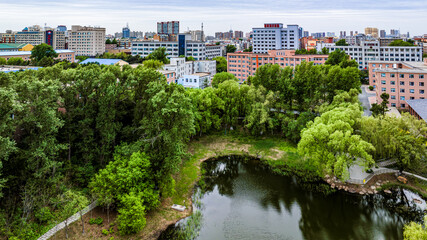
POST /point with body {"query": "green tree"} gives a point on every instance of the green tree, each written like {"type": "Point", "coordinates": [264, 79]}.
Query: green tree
{"type": "Point", "coordinates": [73, 202]}
{"type": "Point", "coordinates": [3, 61]}
{"type": "Point", "coordinates": [400, 42]}
{"type": "Point", "coordinates": [81, 58]}
{"type": "Point", "coordinates": [331, 144]}
{"type": "Point", "coordinates": [108, 41]}
{"type": "Point", "coordinates": [337, 57]}
{"type": "Point", "coordinates": [424, 55]}
{"type": "Point", "coordinates": [222, 77]}
{"type": "Point", "coordinates": [248, 49]}
{"type": "Point", "coordinates": [221, 64]}
{"type": "Point", "coordinates": [17, 61]}
{"type": "Point", "coordinates": [325, 51]}
{"type": "Point", "coordinates": [160, 55]}
{"type": "Point", "coordinates": [114, 41]}
{"type": "Point", "coordinates": [152, 63]}
{"type": "Point", "coordinates": [131, 214]}
{"type": "Point", "coordinates": [341, 42]}
{"type": "Point", "coordinates": [43, 50]}
{"type": "Point", "coordinates": [258, 119]}
{"type": "Point", "coordinates": [230, 49]}
{"type": "Point", "coordinates": [380, 109]}
{"type": "Point", "coordinates": [415, 231]}
{"type": "Point", "coordinates": [45, 62]}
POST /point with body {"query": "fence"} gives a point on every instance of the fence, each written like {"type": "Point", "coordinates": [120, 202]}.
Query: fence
{"type": "Point", "coordinates": [70, 220]}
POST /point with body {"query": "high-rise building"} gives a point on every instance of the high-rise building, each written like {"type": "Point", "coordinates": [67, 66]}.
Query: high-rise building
{"type": "Point", "coordinates": [382, 34]}
{"type": "Point", "coordinates": [171, 27]}
{"type": "Point", "coordinates": [126, 32]}
{"type": "Point", "coordinates": [273, 36]}
{"type": "Point", "coordinates": [35, 35]}
{"type": "Point", "coordinates": [86, 41]}
{"type": "Point", "coordinates": [306, 34]}
{"type": "Point", "coordinates": [371, 31]}
{"type": "Point", "coordinates": [61, 28]}
{"type": "Point", "coordinates": [238, 34]}
{"type": "Point", "coordinates": [395, 33]}
{"type": "Point", "coordinates": [351, 33]}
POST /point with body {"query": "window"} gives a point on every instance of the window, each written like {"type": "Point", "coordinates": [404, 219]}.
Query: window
{"type": "Point", "coordinates": [383, 82]}
{"type": "Point", "coordinates": [402, 105]}
{"type": "Point", "coordinates": [393, 104]}
{"type": "Point", "coordinates": [382, 74]}
{"type": "Point", "coordinates": [393, 97]}
{"type": "Point", "coordinates": [402, 98]}
{"type": "Point", "coordinates": [411, 91]}
{"type": "Point", "coordinates": [402, 83]}
{"type": "Point", "coordinates": [402, 90]}
{"type": "Point", "coordinates": [392, 75]}
{"type": "Point", "coordinates": [421, 91]}
{"type": "Point", "coordinates": [411, 84]}
{"type": "Point", "coordinates": [421, 76]}
{"type": "Point", "coordinates": [383, 89]}
{"type": "Point", "coordinates": [393, 89]}
{"type": "Point", "coordinates": [402, 75]}
{"type": "Point", "coordinates": [421, 84]}
{"type": "Point", "coordinates": [393, 82]}
{"type": "Point", "coordinates": [411, 75]}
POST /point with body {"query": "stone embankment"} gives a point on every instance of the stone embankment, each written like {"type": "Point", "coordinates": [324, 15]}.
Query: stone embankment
{"type": "Point", "coordinates": [362, 189]}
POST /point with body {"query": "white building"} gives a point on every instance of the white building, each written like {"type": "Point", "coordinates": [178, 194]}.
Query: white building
{"type": "Point", "coordinates": [86, 41]}
{"type": "Point", "coordinates": [273, 36]}
{"type": "Point", "coordinates": [196, 80]}
{"type": "Point", "coordinates": [213, 50]}
{"type": "Point", "coordinates": [34, 35]}
{"type": "Point", "coordinates": [372, 51]}
{"type": "Point", "coordinates": [182, 67]}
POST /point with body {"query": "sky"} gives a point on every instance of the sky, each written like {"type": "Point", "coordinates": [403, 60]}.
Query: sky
{"type": "Point", "coordinates": [218, 15]}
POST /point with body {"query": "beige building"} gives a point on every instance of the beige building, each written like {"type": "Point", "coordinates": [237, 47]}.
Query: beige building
{"type": "Point", "coordinates": [26, 55]}
{"type": "Point", "coordinates": [371, 31]}
{"type": "Point", "coordinates": [86, 41]}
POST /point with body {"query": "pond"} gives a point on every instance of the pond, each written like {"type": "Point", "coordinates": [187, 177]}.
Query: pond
{"type": "Point", "coordinates": [245, 200]}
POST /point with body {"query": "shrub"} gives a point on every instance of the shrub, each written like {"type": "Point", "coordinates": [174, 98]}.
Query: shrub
{"type": "Point", "coordinates": [371, 88]}
{"type": "Point", "coordinates": [105, 232]}
{"type": "Point", "coordinates": [97, 221]}
{"type": "Point", "coordinates": [43, 215]}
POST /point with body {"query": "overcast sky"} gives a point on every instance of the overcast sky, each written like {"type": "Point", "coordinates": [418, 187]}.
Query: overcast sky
{"type": "Point", "coordinates": [218, 15]}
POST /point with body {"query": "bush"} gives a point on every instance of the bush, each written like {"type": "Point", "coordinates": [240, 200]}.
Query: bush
{"type": "Point", "coordinates": [43, 215]}
{"type": "Point", "coordinates": [97, 221]}
{"type": "Point", "coordinates": [371, 88]}
{"type": "Point", "coordinates": [105, 232]}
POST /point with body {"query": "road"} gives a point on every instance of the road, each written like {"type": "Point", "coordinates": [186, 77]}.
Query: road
{"type": "Point", "coordinates": [364, 99]}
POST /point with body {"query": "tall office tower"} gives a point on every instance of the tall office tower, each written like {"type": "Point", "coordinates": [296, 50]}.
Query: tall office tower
{"type": "Point", "coordinates": [382, 34]}
{"type": "Point", "coordinates": [126, 31]}
{"type": "Point", "coordinates": [273, 36]}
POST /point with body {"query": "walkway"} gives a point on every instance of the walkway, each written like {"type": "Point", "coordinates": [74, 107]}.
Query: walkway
{"type": "Point", "coordinates": [364, 99]}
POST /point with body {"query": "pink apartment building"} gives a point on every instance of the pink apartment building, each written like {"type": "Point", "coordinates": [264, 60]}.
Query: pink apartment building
{"type": "Point", "coordinates": [244, 64]}
{"type": "Point", "coordinates": [401, 80]}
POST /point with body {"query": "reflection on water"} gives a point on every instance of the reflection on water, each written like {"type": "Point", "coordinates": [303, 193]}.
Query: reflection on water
{"type": "Point", "coordinates": [244, 200]}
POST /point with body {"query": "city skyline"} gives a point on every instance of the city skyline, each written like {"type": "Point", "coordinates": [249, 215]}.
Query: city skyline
{"type": "Point", "coordinates": [313, 15]}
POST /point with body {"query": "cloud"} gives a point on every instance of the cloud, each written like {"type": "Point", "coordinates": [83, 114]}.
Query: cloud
{"type": "Point", "coordinates": [219, 15]}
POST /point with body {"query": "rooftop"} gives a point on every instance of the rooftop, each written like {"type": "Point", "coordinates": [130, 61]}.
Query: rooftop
{"type": "Point", "coordinates": [20, 53]}
{"type": "Point", "coordinates": [419, 106]}
{"type": "Point", "coordinates": [412, 67]}
{"type": "Point", "coordinates": [101, 61]}
{"type": "Point", "coordinates": [12, 45]}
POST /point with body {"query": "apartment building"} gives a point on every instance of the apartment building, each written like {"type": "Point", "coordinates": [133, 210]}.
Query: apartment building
{"type": "Point", "coordinates": [243, 64]}
{"type": "Point", "coordinates": [86, 41]}
{"type": "Point", "coordinates": [273, 36]}
{"type": "Point", "coordinates": [372, 31]}
{"type": "Point", "coordinates": [372, 51]}
{"type": "Point", "coordinates": [183, 47]}
{"type": "Point", "coordinates": [182, 67]}
{"type": "Point", "coordinates": [171, 27]}
{"type": "Point", "coordinates": [196, 80]}
{"type": "Point", "coordinates": [401, 80]}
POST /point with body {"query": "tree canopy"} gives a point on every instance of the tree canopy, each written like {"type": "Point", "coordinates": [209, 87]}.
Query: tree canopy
{"type": "Point", "coordinates": [43, 51]}
{"type": "Point", "coordinates": [341, 42]}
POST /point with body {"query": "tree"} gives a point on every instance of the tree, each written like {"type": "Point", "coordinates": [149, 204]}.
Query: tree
{"type": "Point", "coordinates": [337, 57]}
{"type": "Point", "coordinates": [131, 214]}
{"type": "Point", "coordinates": [258, 119]}
{"type": "Point", "coordinates": [341, 42]}
{"type": "Point", "coordinates": [154, 64]}
{"type": "Point", "coordinates": [73, 202]}
{"type": "Point", "coordinates": [222, 77]}
{"type": "Point", "coordinates": [17, 61]}
{"type": "Point", "coordinates": [248, 49]}
{"type": "Point", "coordinates": [190, 58]}
{"type": "Point", "coordinates": [45, 62]}
{"type": "Point", "coordinates": [331, 144]}
{"type": "Point", "coordinates": [221, 64]}
{"type": "Point", "coordinates": [3, 61]}
{"type": "Point", "coordinates": [230, 49]}
{"type": "Point", "coordinates": [424, 55]}
{"type": "Point", "coordinates": [415, 231]}
{"type": "Point", "coordinates": [400, 42]}
{"type": "Point", "coordinates": [325, 51]}
{"type": "Point", "coordinates": [114, 41]}
{"type": "Point", "coordinates": [380, 109]}
{"type": "Point", "coordinates": [81, 58]}
{"type": "Point", "coordinates": [402, 139]}
{"type": "Point", "coordinates": [160, 55]}
{"type": "Point", "coordinates": [108, 41]}
{"type": "Point", "coordinates": [217, 43]}
{"type": "Point", "coordinates": [43, 50]}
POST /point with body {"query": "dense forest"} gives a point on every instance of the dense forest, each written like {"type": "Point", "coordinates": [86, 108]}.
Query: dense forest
{"type": "Point", "coordinates": [118, 134]}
